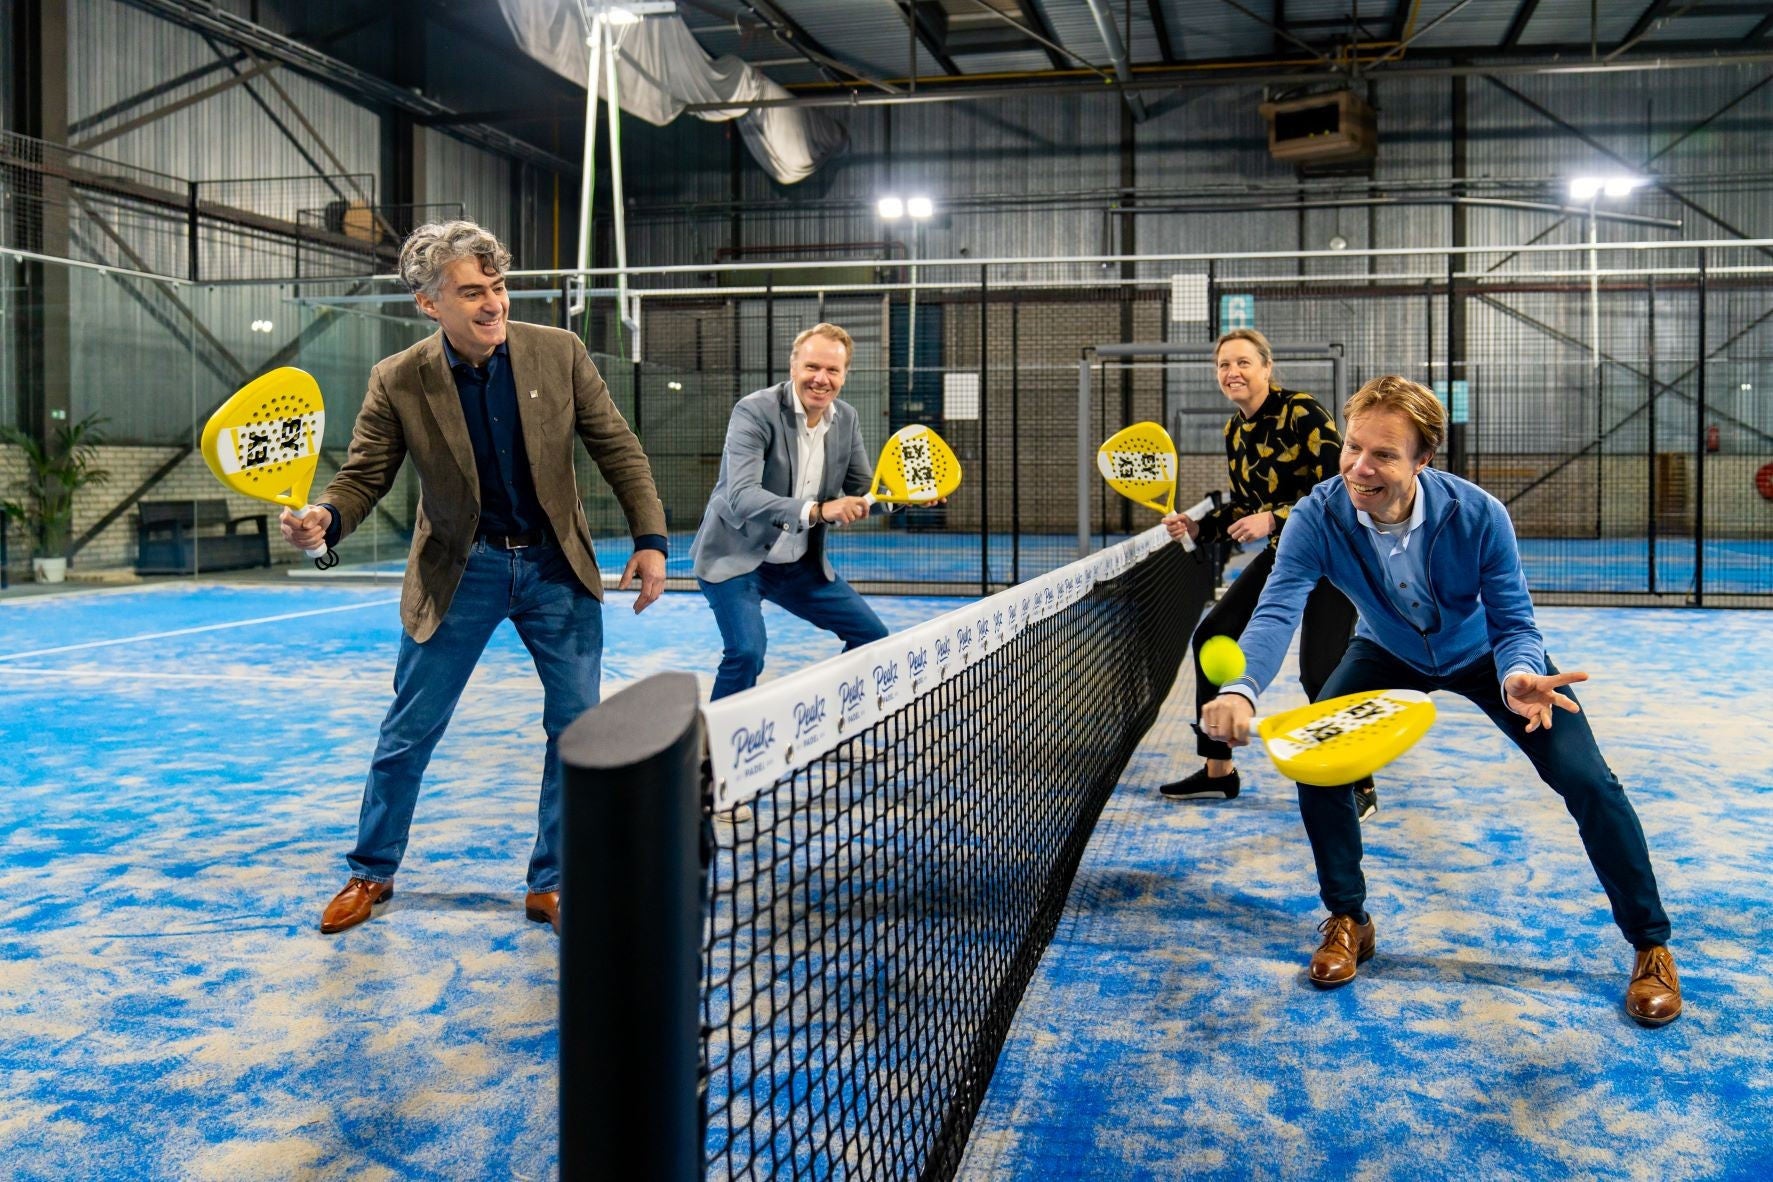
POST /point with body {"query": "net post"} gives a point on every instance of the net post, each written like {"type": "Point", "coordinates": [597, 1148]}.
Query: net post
{"type": "Point", "coordinates": [1084, 452]}
{"type": "Point", "coordinates": [631, 932]}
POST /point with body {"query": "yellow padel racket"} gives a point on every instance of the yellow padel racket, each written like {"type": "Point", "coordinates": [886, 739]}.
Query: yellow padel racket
{"type": "Point", "coordinates": [1139, 463]}
{"type": "Point", "coordinates": [1340, 740]}
{"type": "Point", "coordinates": [265, 442]}
{"type": "Point", "coordinates": [916, 467]}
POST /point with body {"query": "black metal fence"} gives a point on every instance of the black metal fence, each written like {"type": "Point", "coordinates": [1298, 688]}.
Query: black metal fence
{"type": "Point", "coordinates": [1620, 409]}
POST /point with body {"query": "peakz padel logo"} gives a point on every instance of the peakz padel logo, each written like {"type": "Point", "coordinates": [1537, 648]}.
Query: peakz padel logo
{"type": "Point", "coordinates": [886, 682]}
{"type": "Point", "coordinates": [809, 720]}
{"type": "Point", "coordinates": [750, 744]}
{"type": "Point", "coordinates": [852, 700]}
{"type": "Point", "coordinates": [917, 662]}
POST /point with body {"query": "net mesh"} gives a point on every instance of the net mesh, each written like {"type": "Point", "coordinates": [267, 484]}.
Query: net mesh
{"type": "Point", "coordinates": [875, 919]}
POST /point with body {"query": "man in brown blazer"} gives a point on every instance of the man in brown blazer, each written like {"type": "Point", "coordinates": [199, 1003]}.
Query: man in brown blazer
{"type": "Point", "coordinates": [487, 411]}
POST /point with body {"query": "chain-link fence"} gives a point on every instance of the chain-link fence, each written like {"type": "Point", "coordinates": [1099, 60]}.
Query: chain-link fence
{"type": "Point", "coordinates": [1615, 399]}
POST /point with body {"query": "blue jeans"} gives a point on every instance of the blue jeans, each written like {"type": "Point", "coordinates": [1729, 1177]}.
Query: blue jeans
{"type": "Point", "coordinates": [559, 621]}
{"type": "Point", "coordinates": [797, 587]}
{"type": "Point", "coordinates": [1565, 756]}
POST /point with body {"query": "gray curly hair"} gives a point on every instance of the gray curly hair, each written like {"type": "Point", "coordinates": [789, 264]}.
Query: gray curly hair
{"type": "Point", "coordinates": [429, 250]}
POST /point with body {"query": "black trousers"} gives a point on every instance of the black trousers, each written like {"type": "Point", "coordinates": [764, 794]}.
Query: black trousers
{"type": "Point", "coordinates": [1323, 635]}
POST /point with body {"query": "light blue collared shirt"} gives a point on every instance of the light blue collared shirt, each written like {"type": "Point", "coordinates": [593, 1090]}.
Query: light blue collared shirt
{"type": "Point", "coordinates": [1403, 556]}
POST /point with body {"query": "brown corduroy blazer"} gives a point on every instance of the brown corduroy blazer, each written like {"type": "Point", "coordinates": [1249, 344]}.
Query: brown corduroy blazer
{"type": "Point", "coordinates": [412, 409]}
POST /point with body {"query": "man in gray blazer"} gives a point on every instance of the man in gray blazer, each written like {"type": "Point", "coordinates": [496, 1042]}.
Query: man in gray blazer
{"type": "Point", "coordinates": [793, 467]}
{"type": "Point", "coordinates": [487, 411]}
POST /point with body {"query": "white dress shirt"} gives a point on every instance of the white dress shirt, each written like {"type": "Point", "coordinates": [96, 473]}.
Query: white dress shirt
{"type": "Point", "coordinates": [810, 445]}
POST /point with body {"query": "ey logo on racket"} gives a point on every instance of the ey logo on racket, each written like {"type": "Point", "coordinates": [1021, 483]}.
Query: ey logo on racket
{"type": "Point", "coordinates": [917, 467]}
{"type": "Point", "coordinates": [1341, 740]}
{"type": "Point", "coordinates": [264, 442]}
{"type": "Point", "coordinates": [1139, 463]}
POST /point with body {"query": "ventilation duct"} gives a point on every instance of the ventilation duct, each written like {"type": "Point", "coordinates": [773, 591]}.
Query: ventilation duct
{"type": "Point", "coordinates": [663, 68]}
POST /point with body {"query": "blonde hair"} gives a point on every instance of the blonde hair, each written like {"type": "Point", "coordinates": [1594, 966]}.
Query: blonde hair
{"type": "Point", "coordinates": [1255, 338]}
{"type": "Point", "coordinates": [1411, 399]}
{"type": "Point", "coordinates": [1245, 334]}
{"type": "Point", "coordinates": [831, 333]}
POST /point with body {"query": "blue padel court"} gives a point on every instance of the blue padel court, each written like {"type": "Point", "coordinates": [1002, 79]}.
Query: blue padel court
{"type": "Point", "coordinates": [184, 774]}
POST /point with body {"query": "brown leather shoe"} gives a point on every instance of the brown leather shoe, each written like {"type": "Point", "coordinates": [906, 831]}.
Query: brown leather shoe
{"type": "Point", "coordinates": [543, 907]}
{"type": "Point", "coordinates": [352, 905]}
{"type": "Point", "coordinates": [1654, 995]}
{"type": "Point", "coordinates": [1346, 944]}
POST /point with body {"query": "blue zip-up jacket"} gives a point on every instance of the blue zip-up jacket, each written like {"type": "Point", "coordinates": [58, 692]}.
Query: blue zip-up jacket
{"type": "Point", "coordinates": [1474, 582]}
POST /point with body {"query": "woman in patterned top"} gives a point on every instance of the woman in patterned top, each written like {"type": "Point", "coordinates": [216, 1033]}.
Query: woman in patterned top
{"type": "Point", "coordinates": [1278, 445]}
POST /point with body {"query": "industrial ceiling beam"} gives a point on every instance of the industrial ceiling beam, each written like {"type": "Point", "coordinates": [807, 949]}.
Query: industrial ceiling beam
{"type": "Point", "coordinates": [1117, 55]}
{"type": "Point", "coordinates": [1056, 53]}
{"type": "Point", "coordinates": [1523, 16]}
{"type": "Point", "coordinates": [243, 34]}
{"type": "Point", "coordinates": [1162, 29]}
{"type": "Point", "coordinates": [1646, 23]}
{"type": "Point", "coordinates": [1404, 44]}
{"type": "Point", "coordinates": [926, 37]}
{"type": "Point", "coordinates": [787, 30]}
{"type": "Point", "coordinates": [1280, 31]}
{"type": "Point", "coordinates": [1036, 12]}
{"type": "Point", "coordinates": [1220, 73]}
{"type": "Point", "coordinates": [1404, 18]}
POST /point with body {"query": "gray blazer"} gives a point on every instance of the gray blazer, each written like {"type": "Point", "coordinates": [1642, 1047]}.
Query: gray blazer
{"type": "Point", "coordinates": [751, 502]}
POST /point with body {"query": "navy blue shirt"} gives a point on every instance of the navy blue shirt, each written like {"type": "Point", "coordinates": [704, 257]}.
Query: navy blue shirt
{"type": "Point", "coordinates": [508, 501]}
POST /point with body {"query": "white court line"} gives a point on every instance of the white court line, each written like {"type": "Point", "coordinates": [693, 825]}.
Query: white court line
{"type": "Point", "coordinates": [258, 679]}
{"type": "Point", "coordinates": [319, 611]}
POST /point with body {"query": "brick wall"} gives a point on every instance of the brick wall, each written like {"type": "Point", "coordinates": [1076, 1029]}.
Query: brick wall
{"type": "Point", "coordinates": [130, 467]}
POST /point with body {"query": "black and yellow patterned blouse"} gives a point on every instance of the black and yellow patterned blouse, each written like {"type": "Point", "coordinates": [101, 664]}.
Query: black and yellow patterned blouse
{"type": "Point", "coordinates": [1275, 458]}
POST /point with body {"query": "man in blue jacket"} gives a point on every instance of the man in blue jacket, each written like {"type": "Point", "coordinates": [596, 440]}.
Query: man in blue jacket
{"type": "Point", "coordinates": [1431, 564]}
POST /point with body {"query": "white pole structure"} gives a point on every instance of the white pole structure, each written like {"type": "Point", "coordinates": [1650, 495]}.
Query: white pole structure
{"type": "Point", "coordinates": [588, 177]}
{"type": "Point", "coordinates": [1594, 293]}
{"type": "Point", "coordinates": [617, 199]}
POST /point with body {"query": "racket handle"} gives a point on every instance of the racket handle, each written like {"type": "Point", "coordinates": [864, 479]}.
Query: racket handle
{"type": "Point", "coordinates": [1197, 511]}
{"type": "Point", "coordinates": [323, 549]}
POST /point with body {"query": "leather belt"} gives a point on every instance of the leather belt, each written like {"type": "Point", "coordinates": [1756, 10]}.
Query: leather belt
{"type": "Point", "coordinates": [534, 537]}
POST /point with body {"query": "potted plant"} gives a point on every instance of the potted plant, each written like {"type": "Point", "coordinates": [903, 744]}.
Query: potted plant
{"type": "Point", "coordinates": [53, 474]}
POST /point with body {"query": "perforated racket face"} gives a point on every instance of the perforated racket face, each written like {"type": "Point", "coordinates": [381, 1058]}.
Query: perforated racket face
{"type": "Point", "coordinates": [1339, 740]}
{"type": "Point", "coordinates": [265, 440]}
{"type": "Point", "coordinates": [916, 467]}
{"type": "Point", "coordinates": [1139, 463]}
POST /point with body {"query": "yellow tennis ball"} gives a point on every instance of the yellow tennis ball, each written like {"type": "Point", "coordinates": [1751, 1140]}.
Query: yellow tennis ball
{"type": "Point", "coordinates": [1221, 660]}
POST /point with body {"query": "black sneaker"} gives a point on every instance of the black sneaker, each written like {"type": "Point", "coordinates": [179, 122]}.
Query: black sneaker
{"type": "Point", "coordinates": [1366, 799]}
{"type": "Point", "coordinates": [1200, 785]}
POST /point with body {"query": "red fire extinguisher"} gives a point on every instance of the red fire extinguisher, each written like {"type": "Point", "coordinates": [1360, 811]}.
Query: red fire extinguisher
{"type": "Point", "coordinates": [1711, 438]}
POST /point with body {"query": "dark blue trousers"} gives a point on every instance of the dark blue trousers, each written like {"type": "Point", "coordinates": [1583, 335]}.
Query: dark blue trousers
{"type": "Point", "coordinates": [1565, 756]}
{"type": "Point", "coordinates": [798, 587]}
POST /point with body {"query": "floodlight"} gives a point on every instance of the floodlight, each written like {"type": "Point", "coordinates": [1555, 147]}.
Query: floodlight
{"type": "Point", "coordinates": [1587, 188]}
{"type": "Point", "coordinates": [890, 208]}
{"type": "Point", "coordinates": [920, 207]}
